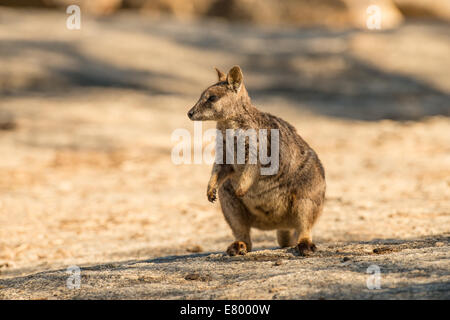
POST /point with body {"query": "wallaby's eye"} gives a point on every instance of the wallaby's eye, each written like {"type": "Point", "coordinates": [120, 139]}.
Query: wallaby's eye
{"type": "Point", "coordinates": [213, 98]}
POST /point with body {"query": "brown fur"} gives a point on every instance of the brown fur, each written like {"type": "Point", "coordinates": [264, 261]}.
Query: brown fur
{"type": "Point", "coordinates": [289, 201]}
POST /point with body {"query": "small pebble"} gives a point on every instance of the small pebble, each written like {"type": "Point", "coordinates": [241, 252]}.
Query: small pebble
{"type": "Point", "coordinates": [146, 279]}
{"type": "Point", "coordinates": [206, 278]}
{"type": "Point", "coordinates": [278, 263]}
{"type": "Point", "coordinates": [382, 250]}
{"type": "Point", "coordinates": [194, 249]}
{"type": "Point", "coordinates": [196, 276]}
{"type": "Point", "coordinates": [192, 276]}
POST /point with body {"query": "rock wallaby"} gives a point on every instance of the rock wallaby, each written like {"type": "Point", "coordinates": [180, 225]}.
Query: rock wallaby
{"type": "Point", "coordinates": [288, 199]}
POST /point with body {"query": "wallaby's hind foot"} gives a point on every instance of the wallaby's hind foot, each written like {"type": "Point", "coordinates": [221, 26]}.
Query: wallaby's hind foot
{"type": "Point", "coordinates": [286, 238]}
{"type": "Point", "coordinates": [237, 248]}
{"type": "Point", "coordinates": [305, 247]}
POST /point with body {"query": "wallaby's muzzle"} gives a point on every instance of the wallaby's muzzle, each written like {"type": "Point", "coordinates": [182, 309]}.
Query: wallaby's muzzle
{"type": "Point", "coordinates": [190, 113]}
{"type": "Point", "coordinates": [195, 114]}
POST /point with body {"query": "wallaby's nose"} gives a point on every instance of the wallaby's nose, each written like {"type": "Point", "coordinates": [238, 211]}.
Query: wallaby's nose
{"type": "Point", "coordinates": [190, 113]}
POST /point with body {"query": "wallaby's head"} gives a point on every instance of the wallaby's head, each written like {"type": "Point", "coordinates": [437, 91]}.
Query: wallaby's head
{"type": "Point", "coordinates": [223, 100]}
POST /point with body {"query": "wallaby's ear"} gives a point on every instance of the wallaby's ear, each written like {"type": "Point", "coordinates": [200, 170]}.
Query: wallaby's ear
{"type": "Point", "coordinates": [235, 78]}
{"type": "Point", "coordinates": [222, 76]}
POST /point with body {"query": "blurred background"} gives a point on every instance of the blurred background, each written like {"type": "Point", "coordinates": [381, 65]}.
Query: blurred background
{"type": "Point", "coordinates": [86, 118]}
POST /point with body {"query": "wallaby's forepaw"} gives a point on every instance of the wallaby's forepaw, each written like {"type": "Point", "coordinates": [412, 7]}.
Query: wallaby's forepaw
{"type": "Point", "coordinates": [306, 247]}
{"type": "Point", "coordinates": [211, 193]}
{"type": "Point", "coordinates": [237, 248]}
